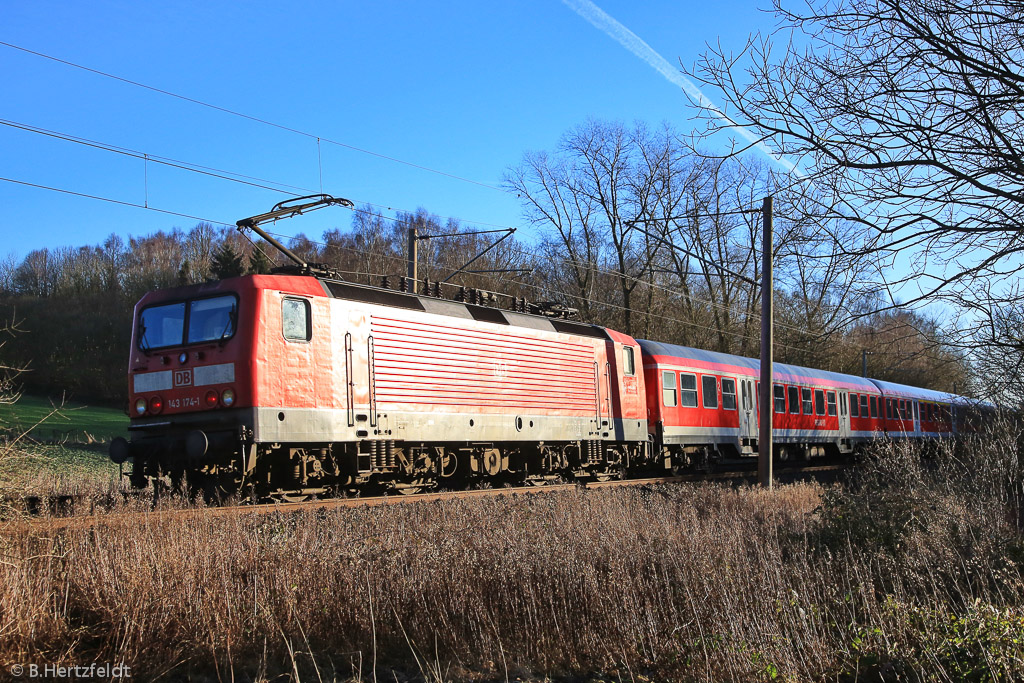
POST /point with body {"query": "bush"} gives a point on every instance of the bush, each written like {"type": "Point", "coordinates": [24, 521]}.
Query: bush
{"type": "Point", "coordinates": [668, 583]}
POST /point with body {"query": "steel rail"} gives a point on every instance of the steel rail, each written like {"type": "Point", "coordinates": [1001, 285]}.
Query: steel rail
{"type": "Point", "coordinates": [159, 516]}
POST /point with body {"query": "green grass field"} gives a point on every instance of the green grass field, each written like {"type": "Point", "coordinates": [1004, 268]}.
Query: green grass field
{"type": "Point", "coordinates": [50, 469]}
{"type": "Point", "coordinates": [64, 452]}
{"type": "Point", "coordinates": [74, 423]}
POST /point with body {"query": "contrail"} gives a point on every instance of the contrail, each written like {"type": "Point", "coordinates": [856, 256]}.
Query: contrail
{"type": "Point", "coordinates": [632, 42]}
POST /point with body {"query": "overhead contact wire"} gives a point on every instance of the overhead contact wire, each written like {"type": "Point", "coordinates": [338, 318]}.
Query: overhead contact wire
{"type": "Point", "coordinates": [249, 117]}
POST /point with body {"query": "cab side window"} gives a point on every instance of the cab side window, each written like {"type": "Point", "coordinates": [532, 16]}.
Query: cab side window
{"type": "Point", "coordinates": [296, 321]}
{"type": "Point", "coordinates": [628, 361]}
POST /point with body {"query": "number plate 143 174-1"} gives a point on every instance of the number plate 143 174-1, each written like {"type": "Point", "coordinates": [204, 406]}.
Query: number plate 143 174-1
{"type": "Point", "coordinates": [186, 402]}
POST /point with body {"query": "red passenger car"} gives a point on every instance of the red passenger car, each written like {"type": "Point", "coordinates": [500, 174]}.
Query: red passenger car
{"type": "Point", "coordinates": [703, 405]}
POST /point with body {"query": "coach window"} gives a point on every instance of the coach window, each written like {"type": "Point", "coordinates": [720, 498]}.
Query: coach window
{"type": "Point", "coordinates": [819, 402]}
{"type": "Point", "coordinates": [688, 390]}
{"type": "Point", "coordinates": [794, 400]}
{"type": "Point", "coordinates": [831, 398]}
{"type": "Point", "coordinates": [779, 392]}
{"type": "Point", "coordinates": [668, 388]}
{"type": "Point", "coordinates": [709, 387]}
{"type": "Point", "coordinates": [728, 393]}
{"type": "Point", "coordinates": [874, 406]}
{"type": "Point", "coordinates": [863, 405]}
{"type": "Point", "coordinates": [854, 406]}
{"type": "Point", "coordinates": [295, 320]}
{"type": "Point", "coordinates": [628, 360]}
{"type": "Point", "coordinates": [805, 395]}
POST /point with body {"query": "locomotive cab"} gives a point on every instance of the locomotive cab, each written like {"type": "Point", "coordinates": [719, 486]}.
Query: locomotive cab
{"type": "Point", "coordinates": [189, 389]}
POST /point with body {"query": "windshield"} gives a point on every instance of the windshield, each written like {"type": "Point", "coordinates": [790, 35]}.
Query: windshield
{"type": "Point", "coordinates": [211, 319]}
{"type": "Point", "coordinates": [207, 320]}
{"type": "Point", "coordinates": [161, 326]}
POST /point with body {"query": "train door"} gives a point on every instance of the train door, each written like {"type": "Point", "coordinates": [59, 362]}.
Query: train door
{"type": "Point", "coordinates": [917, 417]}
{"type": "Point", "coordinates": [844, 419]}
{"type": "Point", "coordinates": [748, 419]}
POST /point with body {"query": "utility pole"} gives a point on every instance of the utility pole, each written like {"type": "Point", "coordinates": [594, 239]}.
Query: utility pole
{"type": "Point", "coordinates": [765, 432]}
{"type": "Point", "coordinates": [411, 275]}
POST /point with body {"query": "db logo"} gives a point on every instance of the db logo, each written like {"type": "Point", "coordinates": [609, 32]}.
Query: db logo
{"type": "Point", "coordinates": [183, 378]}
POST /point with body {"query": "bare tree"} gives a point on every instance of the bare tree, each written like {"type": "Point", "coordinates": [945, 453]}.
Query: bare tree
{"type": "Point", "coordinates": [199, 251]}
{"type": "Point", "coordinates": [906, 118]}
{"type": "Point", "coordinates": [552, 202]}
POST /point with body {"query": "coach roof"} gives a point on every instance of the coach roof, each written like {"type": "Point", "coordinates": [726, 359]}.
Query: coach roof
{"type": "Point", "coordinates": [783, 372]}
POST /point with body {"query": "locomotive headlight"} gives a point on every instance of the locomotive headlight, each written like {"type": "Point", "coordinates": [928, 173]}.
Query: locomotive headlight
{"type": "Point", "coordinates": [211, 399]}
{"type": "Point", "coordinates": [156, 404]}
{"type": "Point", "coordinates": [140, 406]}
{"type": "Point", "coordinates": [182, 357]}
{"type": "Point", "coordinates": [228, 397]}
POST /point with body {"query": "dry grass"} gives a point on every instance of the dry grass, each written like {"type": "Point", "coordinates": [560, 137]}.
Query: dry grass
{"type": "Point", "coordinates": [912, 573]}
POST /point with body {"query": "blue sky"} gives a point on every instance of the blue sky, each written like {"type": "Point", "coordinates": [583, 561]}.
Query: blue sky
{"type": "Point", "coordinates": [461, 87]}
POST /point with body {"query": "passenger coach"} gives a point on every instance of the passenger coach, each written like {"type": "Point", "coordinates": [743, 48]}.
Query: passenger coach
{"type": "Point", "coordinates": [703, 406]}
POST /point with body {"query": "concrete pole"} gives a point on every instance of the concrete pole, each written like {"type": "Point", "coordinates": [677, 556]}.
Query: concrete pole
{"type": "Point", "coordinates": [411, 275]}
{"type": "Point", "coordinates": [765, 432]}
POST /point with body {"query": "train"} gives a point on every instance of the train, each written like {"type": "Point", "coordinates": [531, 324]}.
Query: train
{"type": "Point", "coordinates": [298, 384]}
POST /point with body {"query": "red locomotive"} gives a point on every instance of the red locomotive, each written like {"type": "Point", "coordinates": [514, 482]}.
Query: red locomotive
{"type": "Point", "coordinates": [297, 385]}
{"type": "Point", "coordinates": [291, 385]}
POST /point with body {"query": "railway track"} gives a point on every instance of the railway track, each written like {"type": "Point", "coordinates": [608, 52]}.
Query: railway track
{"type": "Point", "coordinates": [122, 518]}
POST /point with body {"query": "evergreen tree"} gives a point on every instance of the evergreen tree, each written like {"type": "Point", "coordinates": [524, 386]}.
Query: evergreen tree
{"type": "Point", "coordinates": [226, 263]}
{"type": "Point", "coordinates": [259, 262]}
